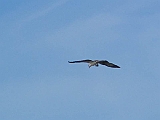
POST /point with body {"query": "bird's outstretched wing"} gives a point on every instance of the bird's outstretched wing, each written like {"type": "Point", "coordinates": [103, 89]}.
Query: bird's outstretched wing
{"type": "Point", "coordinates": [86, 61]}
{"type": "Point", "coordinates": [105, 62]}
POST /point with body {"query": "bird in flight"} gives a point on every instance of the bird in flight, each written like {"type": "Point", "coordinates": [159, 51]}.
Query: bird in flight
{"type": "Point", "coordinates": [96, 63]}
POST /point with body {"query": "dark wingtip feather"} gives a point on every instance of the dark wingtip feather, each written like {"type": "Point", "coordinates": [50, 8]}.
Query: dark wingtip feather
{"type": "Point", "coordinates": [116, 66]}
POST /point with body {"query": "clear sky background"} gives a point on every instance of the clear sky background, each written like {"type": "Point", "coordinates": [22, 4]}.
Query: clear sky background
{"type": "Point", "coordinates": [39, 37]}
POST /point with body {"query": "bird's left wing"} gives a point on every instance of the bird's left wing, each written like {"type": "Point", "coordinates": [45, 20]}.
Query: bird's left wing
{"type": "Point", "coordinates": [105, 62]}
{"type": "Point", "coordinates": [86, 61]}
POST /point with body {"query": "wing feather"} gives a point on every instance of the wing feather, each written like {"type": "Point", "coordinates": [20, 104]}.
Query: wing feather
{"type": "Point", "coordinates": [106, 63]}
{"type": "Point", "coordinates": [86, 61]}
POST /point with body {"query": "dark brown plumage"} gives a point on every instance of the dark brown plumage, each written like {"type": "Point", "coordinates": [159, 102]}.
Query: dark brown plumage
{"type": "Point", "coordinates": [96, 62]}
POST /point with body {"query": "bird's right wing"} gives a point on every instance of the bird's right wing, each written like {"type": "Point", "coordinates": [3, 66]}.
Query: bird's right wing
{"type": "Point", "coordinates": [86, 61]}
{"type": "Point", "coordinates": [106, 63]}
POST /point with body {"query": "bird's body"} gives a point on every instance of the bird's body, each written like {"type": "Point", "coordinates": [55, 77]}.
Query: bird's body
{"type": "Point", "coordinates": [96, 62]}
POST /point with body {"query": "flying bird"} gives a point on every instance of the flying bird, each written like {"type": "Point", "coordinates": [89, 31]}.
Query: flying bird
{"type": "Point", "coordinates": [96, 63]}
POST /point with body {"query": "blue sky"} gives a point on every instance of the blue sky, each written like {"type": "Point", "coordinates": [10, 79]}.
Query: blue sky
{"type": "Point", "coordinates": [39, 37]}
